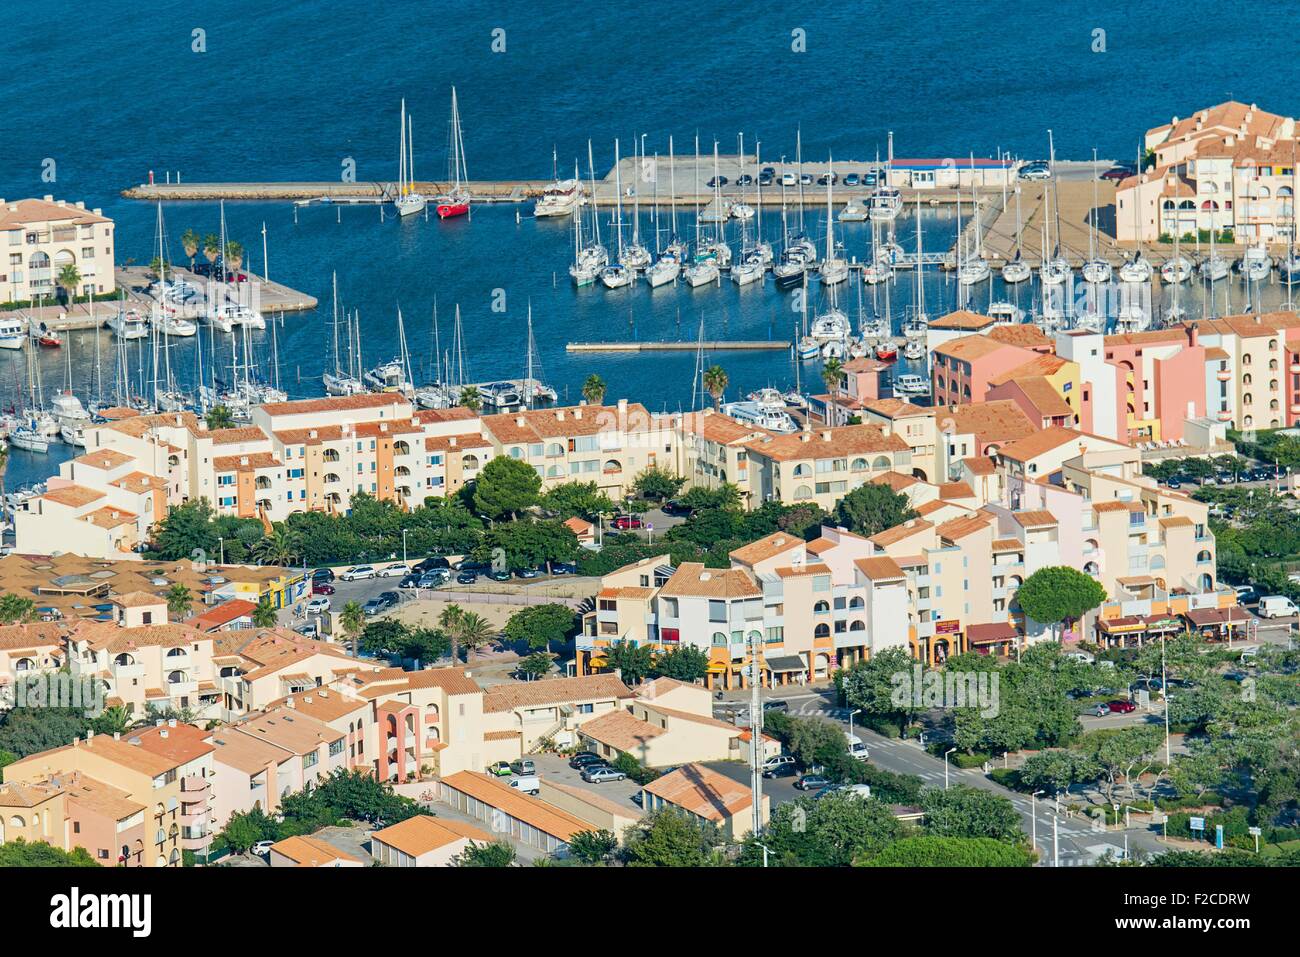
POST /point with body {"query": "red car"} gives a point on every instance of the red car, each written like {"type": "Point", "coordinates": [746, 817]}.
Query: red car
{"type": "Point", "coordinates": [624, 522]}
{"type": "Point", "coordinates": [1121, 707]}
{"type": "Point", "coordinates": [1118, 173]}
{"type": "Point", "coordinates": [322, 588]}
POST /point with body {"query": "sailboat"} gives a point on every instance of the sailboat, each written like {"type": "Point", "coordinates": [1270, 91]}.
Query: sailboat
{"type": "Point", "coordinates": [395, 374]}
{"type": "Point", "coordinates": [590, 259]}
{"type": "Point", "coordinates": [1055, 270]}
{"type": "Point", "coordinates": [1095, 270]}
{"type": "Point", "coordinates": [886, 200]}
{"type": "Point", "coordinates": [456, 202]}
{"type": "Point", "coordinates": [1214, 267]}
{"type": "Point", "coordinates": [407, 201]}
{"type": "Point", "coordinates": [1137, 269]}
{"type": "Point", "coordinates": [669, 264]}
{"type": "Point", "coordinates": [618, 273]}
{"type": "Point", "coordinates": [704, 268]}
{"type": "Point", "coordinates": [336, 380]}
{"type": "Point", "coordinates": [634, 255]}
{"type": "Point", "coordinates": [834, 269]}
{"type": "Point", "coordinates": [1178, 268]}
{"type": "Point", "coordinates": [1017, 270]}
{"type": "Point", "coordinates": [562, 197]}
{"type": "Point", "coordinates": [976, 268]}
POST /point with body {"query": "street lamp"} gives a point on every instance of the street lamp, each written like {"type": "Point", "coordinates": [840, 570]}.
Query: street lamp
{"type": "Point", "coordinates": [1033, 828]}
{"type": "Point", "coordinates": [945, 767]}
{"type": "Point", "coordinates": [404, 531]}
{"type": "Point", "coordinates": [851, 714]}
{"type": "Point", "coordinates": [221, 550]}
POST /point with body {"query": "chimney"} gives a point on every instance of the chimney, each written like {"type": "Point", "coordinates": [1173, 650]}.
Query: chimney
{"type": "Point", "coordinates": [323, 692]}
{"type": "Point", "coordinates": [162, 733]}
{"type": "Point", "coordinates": [288, 702]}
{"type": "Point", "coordinates": [311, 433]}
{"type": "Point", "coordinates": [90, 737]}
{"type": "Point", "coordinates": [1193, 336]}
{"type": "Point", "coordinates": [519, 421]}
{"type": "Point", "coordinates": [559, 415]}
{"type": "Point", "coordinates": [622, 407]}
{"type": "Point", "coordinates": [452, 441]}
{"type": "Point", "coordinates": [158, 722]}
{"type": "Point", "coordinates": [577, 413]}
{"type": "Point", "coordinates": [117, 735]}
{"type": "Point", "coordinates": [806, 436]}
{"type": "Point", "coordinates": [171, 722]}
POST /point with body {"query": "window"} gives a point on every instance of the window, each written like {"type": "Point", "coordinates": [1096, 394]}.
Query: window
{"type": "Point", "coordinates": [717, 610]}
{"type": "Point", "coordinates": [719, 639]}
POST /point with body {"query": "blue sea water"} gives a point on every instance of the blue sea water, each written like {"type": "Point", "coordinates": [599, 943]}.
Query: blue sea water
{"type": "Point", "coordinates": [289, 90]}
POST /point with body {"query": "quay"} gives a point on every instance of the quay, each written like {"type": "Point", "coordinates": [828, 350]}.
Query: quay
{"type": "Point", "coordinates": [736, 345]}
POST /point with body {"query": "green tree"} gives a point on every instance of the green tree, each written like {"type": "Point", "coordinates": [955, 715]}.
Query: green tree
{"type": "Point", "coordinates": [1056, 771]}
{"type": "Point", "coordinates": [683, 663]}
{"type": "Point", "coordinates": [30, 730]}
{"type": "Point", "coordinates": [471, 398]}
{"type": "Point", "coordinates": [725, 497]}
{"type": "Point", "coordinates": [667, 838]}
{"type": "Point", "coordinates": [968, 812]}
{"type": "Point", "coordinates": [938, 851]}
{"type": "Point", "coordinates": [384, 636]}
{"type": "Point", "coordinates": [593, 847]}
{"type": "Point", "coordinates": [18, 853]}
{"type": "Point", "coordinates": [872, 508]}
{"type": "Point", "coordinates": [530, 544]}
{"type": "Point", "coordinates": [280, 547]}
{"type": "Point", "coordinates": [15, 609]}
{"type": "Point", "coordinates": [495, 854]}
{"type": "Point", "coordinates": [243, 830]}
{"type": "Point", "coordinates": [580, 499]}
{"type": "Point", "coordinates": [815, 741]}
{"type": "Point", "coordinates": [536, 665]}
{"type": "Point", "coordinates": [657, 483]}
{"type": "Point", "coordinates": [593, 390]}
{"type": "Point", "coordinates": [69, 278]}
{"type": "Point", "coordinates": [1059, 594]}
{"type": "Point", "coordinates": [179, 599]}
{"type": "Point", "coordinates": [264, 615]}
{"type": "Point", "coordinates": [220, 417]}
{"type": "Point", "coordinates": [426, 645]}
{"type": "Point", "coordinates": [449, 620]}
{"type": "Point", "coordinates": [474, 631]}
{"type": "Point", "coordinates": [234, 257]}
{"type": "Point", "coordinates": [505, 487]}
{"type": "Point", "coordinates": [114, 720]}
{"type": "Point", "coordinates": [540, 626]}
{"type": "Point", "coordinates": [832, 370]}
{"type": "Point", "coordinates": [212, 248]}
{"type": "Point", "coordinates": [877, 687]}
{"type": "Point", "coordinates": [190, 242]}
{"type": "Point", "coordinates": [633, 662]}
{"type": "Point", "coordinates": [715, 384]}
{"type": "Point", "coordinates": [353, 620]}
{"type": "Point", "coordinates": [835, 831]}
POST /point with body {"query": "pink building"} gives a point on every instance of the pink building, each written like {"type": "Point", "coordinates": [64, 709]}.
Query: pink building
{"type": "Point", "coordinates": [963, 368]}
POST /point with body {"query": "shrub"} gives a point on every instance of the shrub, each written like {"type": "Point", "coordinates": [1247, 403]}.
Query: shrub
{"type": "Point", "coordinates": [1007, 777]}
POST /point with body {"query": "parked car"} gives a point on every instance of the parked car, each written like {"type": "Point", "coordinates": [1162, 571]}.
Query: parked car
{"type": "Point", "coordinates": [499, 575]}
{"type": "Point", "coordinates": [373, 607]}
{"type": "Point", "coordinates": [851, 179]}
{"type": "Point", "coordinates": [467, 578]}
{"type": "Point", "coordinates": [857, 748]}
{"type": "Point", "coordinates": [805, 179]}
{"type": "Point", "coordinates": [781, 771]}
{"type": "Point", "coordinates": [778, 761]}
{"type": "Point", "coordinates": [812, 782]}
{"type": "Point", "coordinates": [410, 581]}
{"type": "Point", "coordinates": [1246, 594]}
{"type": "Point", "coordinates": [390, 598]}
{"type": "Point", "coordinates": [564, 568]}
{"type": "Point", "coordinates": [673, 507]}
{"type": "Point", "coordinates": [358, 572]}
{"type": "Point", "coordinates": [599, 775]}
{"type": "Point", "coordinates": [766, 178]}
{"type": "Point", "coordinates": [322, 575]}
{"type": "Point", "coordinates": [1173, 483]}
{"type": "Point", "coordinates": [1121, 707]}
{"type": "Point", "coordinates": [1035, 172]}
{"type": "Point", "coordinates": [527, 573]}
{"type": "Point", "coordinates": [469, 565]}
{"type": "Point", "coordinates": [262, 848]}
{"type": "Point", "coordinates": [828, 178]}
{"type": "Point", "coordinates": [393, 571]}
{"type": "Point", "coordinates": [430, 563]}
{"type": "Point", "coordinates": [439, 576]}
{"type": "Point", "coordinates": [870, 178]}
{"type": "Point", "coordinates": [523, 766]}
{"type": "Point", "coordinates": [500, 768]}
{"type": "Point", "coordinates": [776, 706]}
{"type": "Point", "coordinates": [624, 522]}
{"type": "Point", "coordinates": [321, 588]}
{"type": "Point", "coordinates": [745, 180]}
{"type": "Point", "coordinates": [318, 605]}
{"type": "Point", "coordinates": [583, 758]}
{"type": "Point", "coordinates": [1099, 711]}
{"type": "Point", "coordinates": [1118, 172]}
{"type": "Point", "coordinates": [788, 179]}
{"type": "Point", "coordinates": [716, 181]}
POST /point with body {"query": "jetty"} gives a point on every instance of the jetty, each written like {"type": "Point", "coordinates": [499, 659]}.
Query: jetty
{"type": "Point", "coordinates": [716, 345]}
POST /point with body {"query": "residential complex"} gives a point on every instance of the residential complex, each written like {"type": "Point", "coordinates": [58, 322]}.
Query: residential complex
{"type": "Point", "coordinates": [39, 237]}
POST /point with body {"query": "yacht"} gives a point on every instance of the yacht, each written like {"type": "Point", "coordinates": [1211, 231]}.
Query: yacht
{"type": "Point", "coordinates": [910, 384]}
{"type": "Point", "coordinates": [887, 351]}
{"type": "Point", "coordinates": [67, 409]}
{"type": "Point", "coordinates": [762, 415]}
{"type": "Point", "coordinates": [244, 316]}
{"type": "Point", "coordinates": [559, 199]}
{"type": "Point", "coordinates": [1214, 267]}
{"type": "Point", "coordinates": [1054, 271]}
{"type": "Point", "coordinates": [170, 324]}
{"type": "Point", "coordinates": [74, 435]}
{"type": "Point", "coordinates": [833, 271]}
{"type": "Point", "coordinates": [742, 211]}
{"type": "Point", "coordinates": [1289, 268]}
{"type": "Point", "coordinates": [665, 270]}
{"type": "Point", "coordinates": [875, 273]}
{"type": "Point", "coordinates": [617, 275]}
{"type": "Point", "coordinates": [884, 204]}
{"type": "Point", "coordinates": [340, 383]}
{"type": "Point", "coordinates": [129, 324]}
{"type": "Point", "coordinates": [1016, 271]}
{"type": "Point", "coordinates": [1255, 264]}
{"type": "Point", "coordinates": [1096, 271]}
{"type": "Point", "coordinates": [13, 333]}
{"type": "Point", "coordinates": [26, 438]}
{"type": "Point", "coordinates": [835, 349]}
{"type": "Point", "coordinates": [751, 270]}
{"type": "Point", "coordinates": [1007, 312]}
{"type": "Point", "coordinates": [789, 272]}
{"type": "Point", "coordinates": [808, 348]}
{"type": "Point", "coordinates": [1131, 318]}
{"type": "Point", "coordinates": [501, 395]}
{"type": "Point", "coordinates": [973, 271]}
{"type": "Point", "coordinates": [832, 325]}
{"type": "Point", "coordinates": [1090, 320]}
{"type": "Point", "coordinates": [388, 377]}
{"type": "Point", "coordinates": [407, 200]}
{"type": "Point", "coordinates": [702, 273]}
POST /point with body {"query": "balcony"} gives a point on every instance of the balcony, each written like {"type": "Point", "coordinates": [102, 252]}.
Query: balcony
{"type": "Point", "coordinates": [177, 688]}
{"type": "Point", "coordinates": [1224, 416]}
{"type": "Point", "coordinates": [195, 843]}
{"type": "Point", "coordinates": [194, 787]}
{"type": "Point", "coordinates": [135, 670]}
{"type": "Point", "coordinates": [195, 819]}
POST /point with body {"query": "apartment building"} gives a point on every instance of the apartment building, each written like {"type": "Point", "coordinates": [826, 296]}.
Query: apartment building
{"type": "Point", "coordinates": [712, 451]}
{"type": "Point", "coordinates": [914, 424]}
{"type": "Point", "coordinates": [824, 465]}
{"type": "Point", "coordinates": [962, 369]}
{"type": "Point", "coordinates": [862, 380]}
{"type": "Point", "coordinates": [608, 445]}
{"type": "Point", "coordinates": [39, 237]}
{"type": "Point", "coordinates": [192, 751]}
{"type": "Point", "coordinates": [27, 650]}
{"type": "Point", "coordinates": [1231, 166]}
{"type": "Point", "coordinates": [255, 667]}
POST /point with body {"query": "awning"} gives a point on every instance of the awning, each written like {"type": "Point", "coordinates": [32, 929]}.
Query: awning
{"type": "Point", "coordinates": [992, 632]}
{"type": "Point", "coordinates": [786, 663]}
{"type": "Point", "coordinates": [717, 667]}
{"type": "Point", "coordinates": [1207, 617]}
{"type": "Point", "coordinates": [1119, 626]}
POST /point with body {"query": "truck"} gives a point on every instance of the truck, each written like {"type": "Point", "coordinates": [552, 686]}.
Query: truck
{"type": "Point", "coordinates": [1276, 606]}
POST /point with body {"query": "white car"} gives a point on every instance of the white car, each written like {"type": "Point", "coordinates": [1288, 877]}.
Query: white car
{"type": "Point", "coordinates": [357, 572]}
{"type": "Point", "coordinates": [788, 179]}
{"type": "Point", "coordinates": [318, 604]}
{"type": "Point", "coordinates": [776, 761]}
{"type": "Point", "coordinates": [261, 848]}
{"type": "Point", "coordinates": [394, 571]}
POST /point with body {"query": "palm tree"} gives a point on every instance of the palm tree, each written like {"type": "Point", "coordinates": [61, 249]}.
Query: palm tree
{"type": "Point", "coordinates": [831, 372]}
{"type": "Point", "coordinates": [264, 614]}
{"type": "Point", "coordinates": [353, 621]}
{"type": "Point", "coordinates": [593, 390]}
{"type": "Point", "coordinates": [190, 242]}
{"type": "Point", "coordinates": [715, 384]}
{"type": "Point", "coordinates": [15, 609]}
{"type": "Point", "coordinates": [280, 547]}
{"type": "Point", "coordinates": [179, 598]}
{"type": "Point", "coordinates": [449, 621]}
{"type": "Point", "coordinates": [475, 631]}
{"type": "Point", "coordinates": [211, 247]}
{"type": "Point", "coordinates": [234, 255]}
{"type": "Point", "coordinates": [112, 720]}
{"type": "Point", "coordinates": [470, 398]}
{"type": "Point", "coordinates": [220, 417]}
{"type": "Point", "coordinates": [69, 279]}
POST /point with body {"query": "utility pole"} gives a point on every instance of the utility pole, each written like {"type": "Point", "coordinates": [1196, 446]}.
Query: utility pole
{"type": "Point", "coordinates": [755, 733]}
{"type": "Point", "coordinates": [1164, 688]}
{"type": "Point", "coordinates": [1056, 847]}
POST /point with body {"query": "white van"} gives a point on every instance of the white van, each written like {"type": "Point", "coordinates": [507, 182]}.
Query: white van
{"type": "Point", "coordinates": [856, 748]}
{"type": "Point", "coordinates": [527, 783]}
{"type": "Point", "coordinates": [1276, 606]}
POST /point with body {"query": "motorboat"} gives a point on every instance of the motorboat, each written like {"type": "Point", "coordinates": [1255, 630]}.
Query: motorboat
{"type": "Point", "coordinates": [67, 409]}
{"type": "Point", "coordinates": [889, 254]}
{"type": "Point", "coordinates": [387, 377]}
{"type": "Point", "coordinates": [742, 211]}
{"type": "Point", "coordinates": [13, 333]}
{"type": "Point", "coordinates": [875, 273]}
{"type": "Point", "coordinates": [772, 398]}
{"type": "Point", "coordinates": [808, 348]}
{"type": "Point", "coordinates": [170, 324]}
{"type": "Point", "coordinates": [702, 273]}
{"type": "Point", "coordinates": [559, 199]}
{"type": "Point", "coordinates": [1007, 312]}
{"type": "Point", "coordinates": [244, 316]}
{"type": "Point", "coordinates": [913, 349]}
{"type": "Point", "coordinates": [835, 349]}
{"type": "Point", "coordinates": [47, 337]}
{"type": "Point", "coordinates": [762, 415]}
{"type": "Point", "coordinates": [887, 351]}
{"type": "Point", "coordinates": [74, 435]}
{"type": "Point", "coordinates": [795, 400]}
{"type": "Point", "coordinates": [1289, 268]}
{"type": "Point", "coordinates": [501, 395]}
{"type": "Point", "coordinates": [129, 324]}
{"type": "Point", "coordinates": [338, 383]}
{"type": "Point", "coordinates": [910, 384]}
{"type": "Point", "coordinates": [884, 204]}
{"type": "Point", "coordinates": [1255, 264]}
{"type": "Point", "coordinates": [853, 212]}
{"type": "Point", "coordinates": [832, 325]}
{"type": "Point", "coordinates": [1090, 320]}
{"type": "Point", "coordinates": [1176, 269]}
{"type": "Point", "coordinates": [1137, 269]}
{"type": "Point", "coordinates": [1016, 271]}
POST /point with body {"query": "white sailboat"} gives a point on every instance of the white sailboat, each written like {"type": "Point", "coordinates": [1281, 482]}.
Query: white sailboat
{"type": "Point", "coordinates": [634, 255]}
{"type": "Point", "coordinates": [337, 381]}
{"type": "Point", "coordinates": [407, 201]}
{"type": "Point", "coordinates": [976, 268]}
{"type": "Point", "coordinates": [886, 200]}
{"type": "Point", "coordinates": [589, 259]}
{"type": "Point", "coordinates": [834, 269]}
{"type": "Point", "coordinates": [1017, 270]}
{"type": "Point", "coordinates": [1096, 270]}
{"type": "Point", "coordinates": [618, 274]}
{"type": "Point", "coordinates": [562, 197]}
{"type": "Point", "coordinates": [668, 266]}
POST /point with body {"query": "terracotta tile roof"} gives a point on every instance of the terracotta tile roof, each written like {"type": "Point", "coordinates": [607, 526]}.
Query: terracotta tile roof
{"type": "Point", "coordinates": [287, 729]}
{"type": "Point", "coordinates": [926, 509]}
{"type": "Point", "coordinates": [765, 548]}
{"type": "Point", "coordinates": [1041, 442]}
{"type": "Point", "coordinates": [496, 794]}
{"type": "Point", "coordinates": [719, 428]}
{"type": "Point", "coordinates": [20, 794]}
{"type": "Point", "coordinates": [895, 480]}
{"type": "Point", "coordinates": [1034, 518]}
{"type": "Point", "coordinates": [181, 742]}
{"type": "Point", "coordinates": [248, 462]}
{"type": "Point", "coordinates": [963, 319]}
{"type": "Point", "coordinates": [956, 490]}
{"type": "Point", "coordinates": [120, 752]}
{"type": "Point", "coordinates": [580, 526]}
{"type": "Point", "coordinates": [245, 753]}
{"type": "Point", "coordinates": [107, 517]}
{"type": "Point", "coordinates": [895, 408]}
{"type": "Point", "coordinates": [223, 614]}
{"type": "Point", "coordinates": [693, 579]}
{"type": "Point", "coordinates": [103, 459]}
{"type": "Point", "coordinates": [307, 851]}
{"type": "Point", "coordinates": [620, 730]}
{"type": "Point", "coordinates": [551, 691]}
{"type": "Point", "coordinates": [627, 591]}
{"type": "Point", "coordinates": [538, 425]}
{"type": "Point", "coordinates": [958, 528]}
{"type": "Point", "coordinates": [364, 400]}
{"type": "Point", "coordinates": [969, 348]}
{"type": "Point", "coordinates": [1040, 365]}
{"type": "Point", "coordinates": [107, 636]}
{"type": "Point", "coordinates": [243, 433]}
{"type": "Point", "coordinates": [19, 213]}
{"type": "Point", "coordinates": [899, 532]}
{"type": "Point", "coordinates": [138, 425]}
{"type": "Point", "coordinates": [998, 421]}
{"type": "Point", "coordinates": [1176, 521]}
{"type": "Point", "coordinates": [1007, 545]}
{"type": "Point", "coordinates": [40, 634]}
{"type": "Point", "coordinates": [1026, 335]}
{"type": "Point", "coordinates": [73, 496]}
{"type": "Point", "coordinates": [826, 443]}
{"type": "Point", "coordinates": [879, 568]}
{"type": "Point", "coordinates": [98, 798]}
{"type": "Point", "coordinates": [464, 441]}
{"type": "Point", "coordinates": [701, 791]}
{"type": "Point", "coordinates": [138, 599]}
{"type": "Point", "coordinates": [421, 834]}
{"type": "Point", "coordinates": [980, 465]}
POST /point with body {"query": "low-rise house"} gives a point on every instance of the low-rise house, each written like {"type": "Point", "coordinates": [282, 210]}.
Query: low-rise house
{"type": "Point", "coordinates": [307, 851]}
{"type": "Point", "coordinates": [524, 819]}
{"type": "Point", "coordinates": [706, 796]}
{"type": "Point", "coordinates": [424, 841]}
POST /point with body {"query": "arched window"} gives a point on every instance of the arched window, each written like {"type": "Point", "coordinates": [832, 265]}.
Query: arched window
{"type": "Point", "coordinates": [330, 455]}
{"type": "Point", "coordinates": [17, 821]}
{"type": "Point", "coordinates": [469, 461]}
{"type": "Point", "coordinates": [1245, 379]}
{"type": "Point", "coordinates": [1091, 568]}
{"type": "Point", "coordinates": [401, 447]}
{"type": "Point", "coordinates": [822, 631]}
{"type": "Point", "coordinates": [332, 478]}
{"type": "Point", "coordinates": [1157, 563]}
{"type": "Point", "coordinates": [821, 608]}
{"type": "Point", "coordinates": [802, 492]}
{"type": "Point", "coordinates": [516, 452]}
{"type": "Point", "coordinates": [175, 677]}
{"type": "Point", "coordinates": [1203, 557]}
{"type": "Point", "coordinates": [1246, 359]}
{"type": "Point", "coordinates": [612, 466]}
{"type": "Point", "coordinates": [859, 465]}
{"type": "Point", "coordinates": [175, 652]}
{"type": "Point", "coordinates": [1248, 421]}
{"type": "Point", "coordinates": [802, 470]}
{"type": "Point", "coordinates": [856, 602]}
{"type": "Point", "coordinates": [123, 660]}
{"type": "Point", "coordinates": [1247, 399]}
{"type": "Point", "coordinates": [881, 462]}
{"type": "Point", "coordinates": [719, 640]}
{"type": "Point", "coordinates": [1206, 582]}
{"type": "Point", "coordinates": [857, 625]}
{"type": "Point", "coordinates": [555, 448]}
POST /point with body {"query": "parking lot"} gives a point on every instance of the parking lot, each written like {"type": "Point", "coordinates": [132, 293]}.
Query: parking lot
{"type": "Point", "coordinates": [553, 767]}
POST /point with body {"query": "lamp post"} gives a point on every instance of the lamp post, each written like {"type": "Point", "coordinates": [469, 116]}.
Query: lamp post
{"type": "Point", "coordinates": [404, 531]}
{"type": "Point", "coordinates": [1033, 828]}
{"type": "Point", "coordinates": [945, 767]}
{"type": "Point", "coordinates": [221, 550]}
{"type": "Point", "coordinates": [851, 714]}
{"type": "Point", "coordinates": [1164, 691]}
